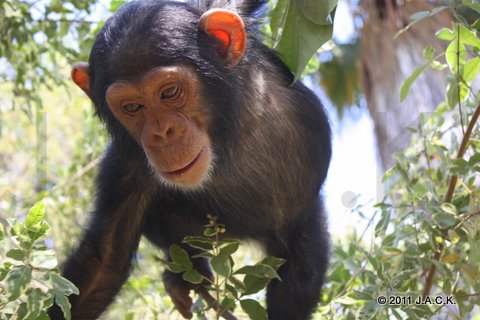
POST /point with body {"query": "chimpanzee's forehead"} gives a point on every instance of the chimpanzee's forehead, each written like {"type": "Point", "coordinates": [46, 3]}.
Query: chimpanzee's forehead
{"type": "Point", "coordinates": [143, 18]}
{"type": "Point", "coordinates": [145, 34]}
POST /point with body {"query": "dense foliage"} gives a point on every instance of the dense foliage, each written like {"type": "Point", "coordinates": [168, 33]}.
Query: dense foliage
{"type": "Point", "coordinates": [29, 282]}
{"type": "Point", "coordinates": [230, 285]}
{"type": "Point", "coordinates": [421, 259]}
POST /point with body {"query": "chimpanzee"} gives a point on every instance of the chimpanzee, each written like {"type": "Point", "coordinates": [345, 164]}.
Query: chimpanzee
{"type": "Point", "coordinates": [204, 119]}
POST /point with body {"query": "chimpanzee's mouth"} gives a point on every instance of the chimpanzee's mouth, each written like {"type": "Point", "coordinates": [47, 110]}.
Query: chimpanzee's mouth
{"type": "Point", "coordinates": [183, 170]}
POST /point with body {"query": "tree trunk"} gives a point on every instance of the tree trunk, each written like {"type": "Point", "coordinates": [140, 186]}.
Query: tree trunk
{"type": "Point", "coordinates": [387, 61]}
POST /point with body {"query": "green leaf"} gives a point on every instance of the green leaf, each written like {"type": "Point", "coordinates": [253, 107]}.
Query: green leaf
{"type": "Point", "coordinates": [460, 167]}
{"type": "Point", "coordinates": [419, 15]}
{"type": "Point", "coordinates": [340, 75]}
{"type": "Point", "coordinates": [259, 270]}
{"type": "Point", "coordinates": [468, 37]}
{"type": "Point", "coordinates": [180, 256]}
{"type": "Point", "coordinates": [347, 300]}
{"type": "Point", "coordinates": [64, 304]}
{"type": "Point", "coordinates": [428, 53]}
{"type": "Point", "coordinates": [405, 88]}
{"type": "Point", "coordinates": [449, 208]}
{"type": "Point", "coordinates": [221, 265]}
{"type": "Point", "coordinates": [254, 284]}
{"type": "Point", "coordinates": [476, 25]}
{"type": "Point", "coordinates": [229, 248]}
{"type": "Point", "coordinates": [21, 312]}
{"type": "Point", "coordinates": [452, 94]}
{"type": "Point", "coordinates": [317, 11]}
{"type": "Point", "coordinates": [383, 223]}
{"type": "Point", "coordinates": [445, 34]}
{"type": "Point", "coordinates": [16, 254]}
{"type": "Point", "coordinates": [44, 259]}
{"type": "Point", "coordinates": [474, 159]}
{"type": "Point", "coordinates": [34, 297]}
{"type": "Point", "coordinates": [116, 4]}
{"type": "Point", "coordinates": [17, 279]}
{"type": "Point", "coordinates": [273, 262]}
{"type": "Point", "coordinates": [206, 255]}
{"type": "Point", "coordinates": [390, 172]}
{"type": "Point", "coordinates": [201, 243]}
{"type": "Point", "coordinates": [444, 220]}
{"type": "Point", "coordinates": [63, 286]}
{"type": "Point", "coordinates": [35, 215]}
{"type": "Point", "coordinates": [296, 36]}
{"type": "Point", "coordinates": [209, 232]}
{"type": "Point", "coordinates": [472, 4]}
{"type": "Point", "coordinates": [192, 276]}
{"type": "Point", "coordinates": [471, 69]}
{"type": "Point", "coordinates": [254, 309]}
{"type": "Point", "coordinates": [172, 266]}
{"type": "Point", "coordinates": [455, 56]}
{"type": "Point", "coordinates": [228, 303]}
{"type": "Point", "coordinates": [239, 285]}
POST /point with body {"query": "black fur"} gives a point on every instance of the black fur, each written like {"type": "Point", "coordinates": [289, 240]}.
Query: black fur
{"type": "Point", "coordinates": [271, 140]}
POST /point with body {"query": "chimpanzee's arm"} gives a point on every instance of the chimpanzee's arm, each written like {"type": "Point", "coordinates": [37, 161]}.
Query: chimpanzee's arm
{"type": "Point", "coordinates": [100, 264]}
{"type": "Point", "coordinates": [306, 249]}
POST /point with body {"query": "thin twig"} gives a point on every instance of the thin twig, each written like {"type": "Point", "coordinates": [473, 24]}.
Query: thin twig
{"type": "Point", "coordinates": [458, 79]}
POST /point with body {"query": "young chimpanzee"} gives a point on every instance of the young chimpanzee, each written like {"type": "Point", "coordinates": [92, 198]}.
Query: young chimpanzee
{"type": "Point", "coordinates": [203, 119]}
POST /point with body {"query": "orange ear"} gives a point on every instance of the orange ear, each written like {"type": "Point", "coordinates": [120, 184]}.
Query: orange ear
{"type": "Point", "coordinates": [81, 76]}
{"type": "Point", "coordinates": [228, 28]}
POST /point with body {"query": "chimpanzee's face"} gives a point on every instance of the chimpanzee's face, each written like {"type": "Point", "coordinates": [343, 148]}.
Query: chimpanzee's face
{"type": "Point", "coordinates": [164, 112]}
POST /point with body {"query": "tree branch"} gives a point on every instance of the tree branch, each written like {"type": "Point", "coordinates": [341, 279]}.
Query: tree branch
{"type": "Point", "coordinates": [448, 198]}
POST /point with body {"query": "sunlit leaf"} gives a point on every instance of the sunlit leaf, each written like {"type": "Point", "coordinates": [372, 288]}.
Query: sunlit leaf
{"type": "Point", "coordinates": [17, 280]}
{"type": "Point", "coordinates": [455, 56]}
{"type": "Point", "coordinates": [471, 69]}
{"type": "Point", "coordinates": [468, 37]}
{"type": "Point", "coordinates": [44, 259]}
{"type": "Point", "coordinates": [445, 34]}
{"type": "Point", "coordinates": [428, 53]}
{"type": "Point", "coordinates": [63, 286]}
{"type": "Point", "coordinates": [35, 215]}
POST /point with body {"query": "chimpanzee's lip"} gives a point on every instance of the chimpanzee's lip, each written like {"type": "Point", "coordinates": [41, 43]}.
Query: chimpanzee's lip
{"type": "Point", "coordinates": [187, 167]}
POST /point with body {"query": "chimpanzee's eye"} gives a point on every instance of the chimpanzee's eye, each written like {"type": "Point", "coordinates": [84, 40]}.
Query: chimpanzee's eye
{"type": "Point", "coordinates": [170, 93]}
{"type": "Point", "coordinates": [132, 107]}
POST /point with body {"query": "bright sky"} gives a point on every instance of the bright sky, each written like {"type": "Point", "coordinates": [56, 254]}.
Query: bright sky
{"type": "Point", "coordinates": [354, 176]}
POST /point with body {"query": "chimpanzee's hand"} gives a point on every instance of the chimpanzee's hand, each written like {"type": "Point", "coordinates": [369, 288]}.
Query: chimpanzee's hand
{"type": "Point", "coordinates": [179, 291]}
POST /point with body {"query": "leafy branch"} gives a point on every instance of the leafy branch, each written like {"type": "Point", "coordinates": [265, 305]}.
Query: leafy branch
{"type": "Point", "coordinates": [227, 289]}
{"type": "Point", "coordinates": [448, 198]}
